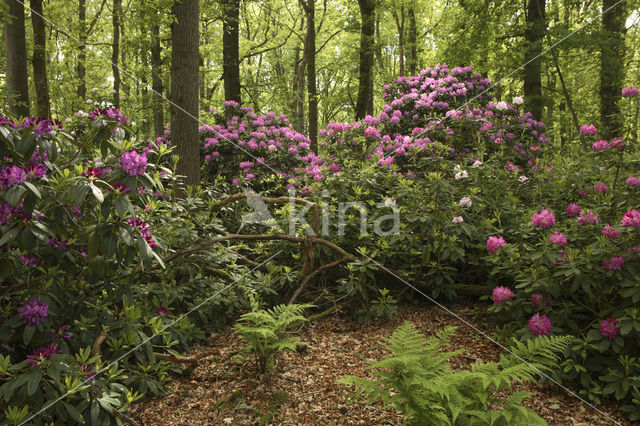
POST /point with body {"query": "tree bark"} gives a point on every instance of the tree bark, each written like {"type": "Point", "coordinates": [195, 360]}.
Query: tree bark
{"type": "Point", "coordinates": [16, 55]}
{"type": "Point", "coordinates": [115, 52]}
{"type": "Point", "coordinates": [612, 68]}
{"type": "Point", "coordinates": [82, 50]}
{"type": "Point", "coordinates": [412, 57]}
{"type": "Point", "coordinates": [231, 50]}
{"type": "Point", "coordinates": [156, 80]}
{"type": "Point", "coordinates": [185, 61]}
{"type": "Point", "coordinates": [364, 103]}
{"type": "Point", "coordinates": [534, 34]}
{"type": "Point", "coordinates": [400, 26]}
{"type": "Point", "coordinates": [310, 53]}
{"type": "Point", "coordinates": [39, 60]}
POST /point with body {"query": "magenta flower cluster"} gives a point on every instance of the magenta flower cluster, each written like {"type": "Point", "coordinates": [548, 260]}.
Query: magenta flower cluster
{"type": "Point", "coordinates": [629, 92]}
{"type": "Point", "coordinates": [588, 130]}
{"type": "Point", "coordinates": [34, 312]}
{"type": "Point", "coordinates": [502, 294]}
{"type": "Point", "coordinates": [609, 329]}
{"type": "Point", "coordinates": [543, 219]}
{"type": "Point", "coordinates": [615, 263]}
{"type": "Point", "coordinates": [41, 355]}
{"type": "Point", "coordinates": [558, 238]}
{"type": "Point", "coordinates": [143, 227]}
{"type": "Point", "coordinates": [133, 163]}
{"type": "Point", "coordinates": [539, 325]}
{"type": "Point", "coordinates": [494, 243]}
{"type": "Point", "coordinates": [631, 218]}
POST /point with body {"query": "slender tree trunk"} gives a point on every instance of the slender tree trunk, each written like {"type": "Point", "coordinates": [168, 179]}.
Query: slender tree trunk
{"type": "Point", "coordinates": [82, 50]}
{"type": "Point", "coordinates": [312, 90]}
{"type": "Point", "coordinates": [298, 84]}
{"type": "Point", "coordinates": [379, 43]}
{"type": "Point", "coordinates": [39, 60]}
{"type": "Point", "coordinates": [185, 60]}
{"type": "Point", "coordinates": [156, 80]}
{"type": "Point", "coordinates": [115, 52]}
{"type": "Point", "coordinates": [231, 50]}
{"type": "Point", "coordinates": [612, 68]}
{"type": "Point", "coordinates": [144, 58]}
{"type": "Point", "coordinates": [16, 55]}
{"type": "Point", "coordinates": [126, 88]}
{"type": "Point", "coordinates": [534, 35]}
{"type": "Point", "coordinates": [364, 103]}
{"type": "Point", "coordinates": [400, 25]}
{"type": "Point", "coordinates": [412, 58]}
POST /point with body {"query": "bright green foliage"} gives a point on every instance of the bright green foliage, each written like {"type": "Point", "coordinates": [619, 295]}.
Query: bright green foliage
{"type": "Point", "coordinates": [264, 331]}
{"type": "Point", "coordinates": [418, 380]}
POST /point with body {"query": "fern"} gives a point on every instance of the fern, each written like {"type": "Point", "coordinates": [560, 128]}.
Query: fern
{"type": "Point", "coordinates": [264, 332]}
{"type": "Point", "coordinates": [418, 380]}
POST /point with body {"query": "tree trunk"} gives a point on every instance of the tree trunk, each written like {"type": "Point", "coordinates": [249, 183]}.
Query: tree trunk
{"type": "Point", "coordinates": [82, 50]}
{"type": "Point", "coordinates": [156, 80]}
{"type": "Point", "coordinates": [612, 66]}
{"type": "Point", "coordinates": [312, 90]}
{"type": "Point", "coordinates": [412, 58]}
{"type": "Point", "coordinates": [231, 50]}
{"type": "Point", "coordinates": [115, 52]}
{"type": "Point", "coordinates": [364, 103]}
{"type": "Point", "coordinates": [185, 60]}
{"type": "Point", "coordinates": [400, 26]}
{"type": "Point", "coordinates": [39, 60]}
{"type": "Point", "coordinates": [16, 55]}
{"type": "Point", "coordinates": [534, 35]}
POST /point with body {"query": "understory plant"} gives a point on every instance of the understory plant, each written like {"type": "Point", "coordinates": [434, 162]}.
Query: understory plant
{"type": "Point", "coordinates": [418, 380]}
{"type": "Point", "coordinates": [264, 331]}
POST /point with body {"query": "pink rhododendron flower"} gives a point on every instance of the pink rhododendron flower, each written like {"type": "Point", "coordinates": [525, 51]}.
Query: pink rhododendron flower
{"type": "Point", "coordinates": [494, 243]}
{"type": "Point", "coordinates": [600, 187]}
{"type": "Point", "coordinates": [629, 92]}
{"type": "Point", "coordinates": [587, 217]}
{"type": "Point", "coordinates": [608, 328]}
{"type": "Point", "coordinates": [573, 210]}
{"type": "Point", "coordinates": [544, 219]}
{"type": "Point", "coordinates": [600, 145]}
{"type": "Point", "coordinates": [588, 130]}
{"type": "Point", "coordinates": [539, 324]}
{"type": "Point", "coordinates": [631, 218]}
{"type": "Point", "coordinates": [558, 238]}
{"type": "Point", "coordinates": [633, 181]}
{"type": "Point", "coordinates": [42, 354]}
{"type": "Point", "coordinates": [613, 264]}
{"type": "Point", "coordinates": [500, 294]}
{"type": "Point", "coordinates": [610, 232]}
{"type": "Point", "coordinates": [536, 300]}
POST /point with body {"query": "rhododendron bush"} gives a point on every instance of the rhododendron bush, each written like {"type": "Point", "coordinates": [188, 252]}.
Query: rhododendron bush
{"type": "Point", "coordinates": [85, 217]}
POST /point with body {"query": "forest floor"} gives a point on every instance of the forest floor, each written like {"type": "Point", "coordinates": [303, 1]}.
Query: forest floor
{"type": "Point", "coordinates": [303, 390]}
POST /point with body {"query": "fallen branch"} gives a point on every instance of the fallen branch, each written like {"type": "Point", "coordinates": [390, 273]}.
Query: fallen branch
{"type": "Point", "coordinates": [95, 349]}
{"type": "Point", "coordinates": [191, 360]}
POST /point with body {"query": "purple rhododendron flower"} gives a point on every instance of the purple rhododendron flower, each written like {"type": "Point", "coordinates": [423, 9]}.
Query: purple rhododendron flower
{"type": "Point", "coordinates": [610, 232]}
{"type": "Point", "coordinates": [573, 210]}
{"type": "Point", "coordinates": [161, 310]}
{"type": "Point", "coordinates": [500, 294]}
{"type": "Point", "coordinates": [600, 145]}
{"type": "Point", "coordinates": [34, 312]}
{"type": "Point", "coordinates": [631, 218]}
{"type": "Point", "coordinates": [61, 331]}
{"type": "Point", "coordinates": [539, 324]}
{"type": "Point", "coordinates": [613, 264]}
{"type": "Point", "coordinates": [12, 176]}
{"type": "Point", "coordinates": [588, 130]}
{"type": "Point", "coordinates": [41, 355]}
{"type": "Point", "coordinates": [558, 238]}
{"type": "Point", "coordinates": [608, 328]}
{"type": "Point", "coordinates": [133, 163]}
{"type": "Point", "coordinates": [629, 92]}
{"type": "Point", "coordinates": [544, 219]}
{"type": "Point", "coordinates": [494, 243]}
